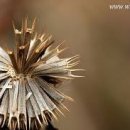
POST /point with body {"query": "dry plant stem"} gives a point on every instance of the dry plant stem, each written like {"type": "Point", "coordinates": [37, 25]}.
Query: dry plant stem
{"type": "Point", "coordinates": [29, 73]}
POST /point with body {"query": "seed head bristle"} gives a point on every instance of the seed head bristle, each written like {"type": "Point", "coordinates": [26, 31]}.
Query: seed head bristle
{"type": "Point", "coordinates": [28, 76]}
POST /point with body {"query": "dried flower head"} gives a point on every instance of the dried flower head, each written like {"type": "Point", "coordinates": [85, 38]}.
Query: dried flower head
{"type": "Point", "coordinates": [28, 76]}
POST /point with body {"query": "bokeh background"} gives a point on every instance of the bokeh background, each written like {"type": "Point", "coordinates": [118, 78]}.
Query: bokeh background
{"type": "Point", "coordinates": [102, 38]}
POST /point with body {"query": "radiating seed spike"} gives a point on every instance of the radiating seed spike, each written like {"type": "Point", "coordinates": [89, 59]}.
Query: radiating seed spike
{"type": "Point", "coordinates": [34, 24]}
{"type": "Point", "coordinates": [44, 118]}
{"type": "Point", "coordinates": [13, 59]}
{"type": "Point", "coordinates": [14, 28]}
{"type": "Point", "coordinates": [18, 121]}
{"type": "Point", "coordinates": [41, 37]}
{"type": "Point", "coordinates": [77, 70]}
{"type": "Point", "coordinates": [22, 26]}
{"type": "Point", "coordinates": [15, 98]}
{"type": "Point", "coordinates": [38, 54]}
{"type": "Point", "coordinates": [73, 58]}
{"type": "Point", "coordinates": [64, 107]}
{"type": "Point", "coordinates": [50, 37]}
{"type": "Point", "coordinates": [61, 77]}
{"type": "Point", "coordinates": [28, 95]}
{"type": "Point", "coordinates": [35, 122]}
{"type": "Point", "coordinates": [29, 123]}
{"type": "Point", "coordinates": [9, 121]}
{"type": "Point", "coordinates": [21, 57]}
{"type": "Point", "coordinates": [25, 122]}
{"type": "Point", "coordinates": [38, 120]}
{"type": "Point", "coordinates": [69, 98]}
{"type": "Point", "coordinates": [3, 122]}
{"type": "Point", "coordinates": [77, 76]}
{"type": "Point", "coordinates": [65, 96]}
{"type": "Point", "coordinates": [70, 65]}
{"type": "Point", "coordinates": [25, 24]}
{"type": "Point", "coordinates": [60, 111]}
{"type": "Point", "coordinates": [62, 50]}
{"type": "Point", "coordinates": [5, 86]}
{"type": "Point", "coordinates": [53, 114]}
{"type": "Point", "coordinates": [42, 45]}
{"type": "Point", "coordinates": [58, 47]}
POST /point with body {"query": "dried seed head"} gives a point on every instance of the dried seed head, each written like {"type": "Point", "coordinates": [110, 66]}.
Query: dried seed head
{"type": "Point", "coordinates": [28, 77]}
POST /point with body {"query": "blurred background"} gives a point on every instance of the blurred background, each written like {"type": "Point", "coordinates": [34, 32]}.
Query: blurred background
{"type": "Point", "coordinates": [102, 38]}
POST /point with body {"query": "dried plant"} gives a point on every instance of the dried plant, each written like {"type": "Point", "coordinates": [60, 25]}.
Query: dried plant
{"type": "Point", "coordinates": [28, 76]}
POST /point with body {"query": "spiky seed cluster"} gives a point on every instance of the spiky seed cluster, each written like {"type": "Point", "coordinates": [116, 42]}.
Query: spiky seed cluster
{"type": "Point", "coordinates": [28, 77]}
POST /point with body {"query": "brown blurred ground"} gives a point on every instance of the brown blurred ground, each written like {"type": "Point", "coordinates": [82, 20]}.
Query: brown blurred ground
{"type": "Point", "coordinates": [102, 38]}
